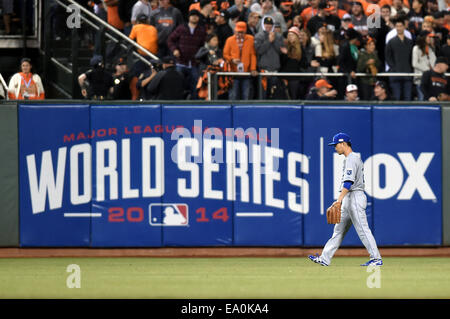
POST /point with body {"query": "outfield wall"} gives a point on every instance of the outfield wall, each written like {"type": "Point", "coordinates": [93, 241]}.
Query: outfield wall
{"type": "Point", "coordinates": [154, 175]}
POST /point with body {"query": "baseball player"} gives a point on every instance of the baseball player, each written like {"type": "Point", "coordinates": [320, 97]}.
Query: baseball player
{"type": "Point", "coordinates": [354, 202]}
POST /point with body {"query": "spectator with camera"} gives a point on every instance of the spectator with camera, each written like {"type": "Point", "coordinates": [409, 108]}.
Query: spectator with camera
{"type": "Point", "coordinates": [96, 83]}
{"type": "Point", "coordinates": [165, 84]}
{"type": "Point", "coordinates": [121, 88]}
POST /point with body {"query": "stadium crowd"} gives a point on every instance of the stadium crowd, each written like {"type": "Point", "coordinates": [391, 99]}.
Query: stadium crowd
{"type": "Point", "coordinates": [258, 36]}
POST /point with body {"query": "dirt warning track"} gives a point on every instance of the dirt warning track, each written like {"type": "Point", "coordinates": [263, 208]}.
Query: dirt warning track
{"type": "Point", "coordinates": [206, 252]}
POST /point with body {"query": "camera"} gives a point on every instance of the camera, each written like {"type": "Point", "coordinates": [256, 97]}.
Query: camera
{"type": "Point", "coordinates": [156, 65]}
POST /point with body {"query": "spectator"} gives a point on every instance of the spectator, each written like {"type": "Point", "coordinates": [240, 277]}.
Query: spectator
{"type": "Point", "coordinates": [286, 9]}
{"type": "Point", "coordinates": [210, 53]}
{"type": "Point", "coordinates": [398, 57]}
{"type": "Point", "coordinates": [297, 21]}
{"type": "Point", "coordinates": [427, 24]}
{"type": "Point", "coordinates": [445, 50]}
{"type": "Point", "coordinates": [268, 9]}
{"type": "Point", "coordinates": [416, 16]}
{"type": "Point", "coordinates": [351, 93]}
{"type": "Point", "coordinates": [121, 82]}
{"type": "Point", "coordinates": [125, 8]}
{"type": "Point", "coordinates": [439, 30]}
{"type": "Point", "coordinates": [145, 35]}
{"type": "Point", "coordinates": [327, 52]}
{"type": "Point", "coordinates": [165, 19]}
{"type": "Point", "coordinates": [308, 49]}
{"type": "Point", "coordinates": [431, 7]}
{"type": "Point", "coordinates": [145, 75]}
{"type": "Point", "coordinates": [323, 17]}
{"type": "Point", "coordinates": [161, 84]}
{"type": "Point", "coordinates": [113, 19]}
{"type": "Point", "coordinates": [8, 10]}
{"type": "Point", "coordinates": [25, 85]}
{"type": "Point", "coordinates": [368, 62]}
{"type": "Point", "coordinates": [253, 23]}
{"type": "Point", "coordinates": [239, 10]}
{"type": "Point", "coordinates": [335, 10]}
{"type": "Point", "coordinates": [294, 61]}
{"type": "Point", "coordinates": [423, 59]}
{"type": "Point", "coordinates": [386, 15]}
{"type": "Point", "coordinates": [348, 53]}
{"type": "Point", "coordinates": [346, 23]}
{"type": "Point", "coordinates": [447, 18]}
{"type": "Point", "coordinates": [239, 50]}
{"type": "Point", "coordinates": [96, 83]}
{"type": "Point", "coordinates": [322, 90]}
{"type": "Point", "coordinates": [184, 42]}
{"type": "Point", "coordinates": [207, 15]}
{"type": "Point", "coordinates": [359, 20]}
{"type": "Point", "coordinates": [223, 29]}
{"type": "Point", "coordinates": [435, 85]}
{"type": "Point", "coordinates": [310, 11]}
{"type": "Point", "coordinates": [268, 45]}
{"type": "Point", "coordinates": [397, 6]}
{"type": "Point", "coordinates": [141, 7]}
{"type": "Point", "coordinates": [381, 92]}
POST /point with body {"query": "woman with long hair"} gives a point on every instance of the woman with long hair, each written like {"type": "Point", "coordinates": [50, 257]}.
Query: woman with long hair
{"type": "Point", "coordinates": [423, 59]}
{"type": "Point", "coordinates": [326, 52]}
{"type": "Point", "coordinates": [294, 61]}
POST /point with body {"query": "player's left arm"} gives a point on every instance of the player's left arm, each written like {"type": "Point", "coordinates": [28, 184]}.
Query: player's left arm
{"type": "Point", "coordinates": [349, 179]}
{"type": "Point", "coordinates": [344, 191]}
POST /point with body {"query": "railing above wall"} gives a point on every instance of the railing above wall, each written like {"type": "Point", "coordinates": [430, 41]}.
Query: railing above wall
{"type": "Point", "coordinates": [212, 78]}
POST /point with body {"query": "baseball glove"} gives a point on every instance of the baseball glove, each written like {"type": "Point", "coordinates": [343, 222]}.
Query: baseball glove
{"type": "Point", "coordinates": [334, 213]}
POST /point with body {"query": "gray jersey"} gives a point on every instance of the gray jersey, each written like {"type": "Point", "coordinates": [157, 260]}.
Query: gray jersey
{"type": "Point", "coordinates": [354, 172]}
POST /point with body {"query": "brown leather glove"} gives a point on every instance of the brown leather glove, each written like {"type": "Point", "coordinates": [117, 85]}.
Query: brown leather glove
{"type": "Point", "coordinates": [334, 213]}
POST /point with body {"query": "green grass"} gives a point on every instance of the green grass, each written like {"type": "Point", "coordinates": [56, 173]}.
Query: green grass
{"type": "Point", "coordinates": [223, 278]}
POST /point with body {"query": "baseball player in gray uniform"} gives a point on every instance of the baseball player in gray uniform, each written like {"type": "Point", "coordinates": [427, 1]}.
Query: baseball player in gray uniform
{"type": "Point", "coordinates": [354, 203]}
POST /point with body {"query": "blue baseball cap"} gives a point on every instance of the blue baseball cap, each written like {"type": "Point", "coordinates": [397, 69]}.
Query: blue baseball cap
{"type": "Point", "coordinates": [339, 138]}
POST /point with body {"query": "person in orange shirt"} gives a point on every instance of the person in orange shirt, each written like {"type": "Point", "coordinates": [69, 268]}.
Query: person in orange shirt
{"type": "Point", "coordinates": [113, 14]}
{"type": "Point", "coordinates": [145, 35]}
{"type": "Point", "coordinates": [239, 50]}
{"type": "Point", "coordinates": [26, 85]}
{"type": "Point", "coordinates": [335, 9]}
{"type": "Point", "coordinates": [310, 11]}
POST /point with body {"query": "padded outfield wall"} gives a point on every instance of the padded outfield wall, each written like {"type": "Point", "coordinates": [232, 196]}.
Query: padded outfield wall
{"type": "Point", "coordinates": [155, 175]}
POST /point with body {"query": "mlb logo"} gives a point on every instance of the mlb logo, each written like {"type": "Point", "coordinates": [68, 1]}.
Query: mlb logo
{"type": "Point", "coordinates": [169, 214]}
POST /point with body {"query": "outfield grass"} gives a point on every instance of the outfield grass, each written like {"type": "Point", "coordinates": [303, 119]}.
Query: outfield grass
{"type": "Point", "coordinates": [223, 278]}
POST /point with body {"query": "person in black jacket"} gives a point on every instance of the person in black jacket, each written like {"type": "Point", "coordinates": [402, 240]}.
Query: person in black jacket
{"type": "Point", "coordinates": [322, 90]}
{"type": "Point", "coordinates": [223, 29]}
{"type": "Point", "coordinates": [398, 57]}
{"type": "Point", "coordinates": [435, 85]}
{"type": "Point", "coordinates": [168, 84]}
{"type": "Point", "coordinates": [323, 17]}
{"type": "Point", "coordinates": [348, 58]}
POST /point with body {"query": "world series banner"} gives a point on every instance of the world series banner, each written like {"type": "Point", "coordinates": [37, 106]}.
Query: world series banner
{"type": "Point", "coordinates": [222, 175]}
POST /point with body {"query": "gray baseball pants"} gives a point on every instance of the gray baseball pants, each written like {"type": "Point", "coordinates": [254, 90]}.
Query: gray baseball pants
{"type": "Point", "coordinates": [353, 212]}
